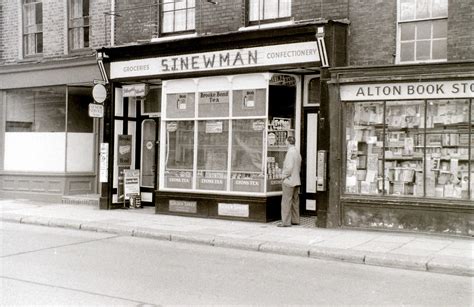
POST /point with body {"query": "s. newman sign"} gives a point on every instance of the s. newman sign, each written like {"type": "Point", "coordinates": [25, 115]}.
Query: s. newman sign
{"type": "Point", "coordinates": [226, 59]}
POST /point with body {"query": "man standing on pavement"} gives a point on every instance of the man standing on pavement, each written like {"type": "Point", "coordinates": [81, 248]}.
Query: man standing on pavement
{"type": "Point", "coordinates": [290, 200]}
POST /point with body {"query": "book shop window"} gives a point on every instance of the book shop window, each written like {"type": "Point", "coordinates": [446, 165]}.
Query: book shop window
{"type": "Point", "coordinates": [32, 27]}
{"type": "Point", "coordinates": [410, 148]}
{"type": "Point", "coordinates": [268, 11]}
{"type": "Point", "coordinates": [177, 16]}
{"type": "Point", "coordinates": [422, 31]}
{"type": "Point", "coordinates": [78, 24]}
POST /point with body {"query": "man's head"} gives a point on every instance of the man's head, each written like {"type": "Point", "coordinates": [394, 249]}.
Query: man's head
{"type": "Point", "coordinates": [291, 140]}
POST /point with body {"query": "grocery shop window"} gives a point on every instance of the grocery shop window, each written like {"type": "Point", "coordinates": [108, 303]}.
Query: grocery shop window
{"type": "Point", "coordinates": [422, 31]}
{"type": "Point", "coordinates": [78, 24]}
{"type": "Point", "coordinates": [32, 27]}
{"type": "Point", "coordinates": [36, 110]}
{"type": "Point", "coordinates": [178, 16]}
{"type": "Point", "coordinates": [266, 11]}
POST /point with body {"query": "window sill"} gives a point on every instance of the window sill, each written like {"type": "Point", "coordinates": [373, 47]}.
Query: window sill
{"type": "Point", "coordinates": [173, 37]}
{"type": "Point", "coordinates": [421, 62]}
{"type": "Point", "coordinates": [268, 25]}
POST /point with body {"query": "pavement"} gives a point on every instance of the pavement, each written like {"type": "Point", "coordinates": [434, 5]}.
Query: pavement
{"type": "Point", "coordinates": [423, 252]}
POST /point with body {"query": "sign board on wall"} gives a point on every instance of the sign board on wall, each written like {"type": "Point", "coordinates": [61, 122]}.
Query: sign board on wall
{"type": "Point", "coordinates": [104, 162]}
{"type": "Point", "coordinates": [408, 90]}
{"type": "Point", "coordinates": [305, 52]}
{"type": "Point", "coordinates": [96, 110]}
{"type": "Point", "coordinates": [135, 90]}
{"type": "Point", "coordinates": [238, 210]}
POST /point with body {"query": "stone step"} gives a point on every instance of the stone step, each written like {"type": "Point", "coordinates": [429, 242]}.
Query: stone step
{"type": "Point", "coordinates": [83, 199]}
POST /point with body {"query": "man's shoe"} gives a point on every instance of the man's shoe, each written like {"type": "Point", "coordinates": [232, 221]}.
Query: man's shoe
{"type": "Point", "coordinates": [295, 223]}
{"type": "Point", "coordinates": [283, 225]}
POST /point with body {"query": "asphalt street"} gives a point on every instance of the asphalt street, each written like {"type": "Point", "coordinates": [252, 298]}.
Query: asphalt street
{"type": "Point", "coordinates": [54, 266]}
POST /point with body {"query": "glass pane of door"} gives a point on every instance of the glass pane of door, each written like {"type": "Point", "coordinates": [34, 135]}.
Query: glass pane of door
{"type": "Point", "coordinates": [148, 161]}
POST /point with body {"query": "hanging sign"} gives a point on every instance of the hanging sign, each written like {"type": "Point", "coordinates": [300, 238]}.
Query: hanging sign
{"type": "Point", "coordinates": [135, 90]}
{"type": "Point", "coordinates": [96, 110]}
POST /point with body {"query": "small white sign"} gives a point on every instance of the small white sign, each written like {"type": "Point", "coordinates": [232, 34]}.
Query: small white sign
{"type": "Point", "coordinates": [96, 110]}
{"type": "Point", "coordinates": [238, 210]}
{"type": "Point", "coordinates": [99, 93]}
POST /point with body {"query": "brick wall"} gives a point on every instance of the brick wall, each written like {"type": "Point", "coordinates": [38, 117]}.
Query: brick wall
{"type": "Point", "coordinates": [54, 29]}
{"type": "Point", "coordinates": [372, 32]}
{"type": "Point", "coordinates": [313, 9]}
{"type": "Point", "coordinates": [461, 30]}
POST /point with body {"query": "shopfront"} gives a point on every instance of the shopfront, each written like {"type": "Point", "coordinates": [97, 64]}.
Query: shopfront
{"type": "Point", "coordinates": [407, 158]}
{"type": "Point", "coordinates": [213, 144]}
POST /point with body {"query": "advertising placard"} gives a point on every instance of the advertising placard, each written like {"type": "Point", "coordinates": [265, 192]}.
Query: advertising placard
{"type": "Point", "coordinates": [131, 182]}
{"type": "Point", "coordinates": [124, 150]}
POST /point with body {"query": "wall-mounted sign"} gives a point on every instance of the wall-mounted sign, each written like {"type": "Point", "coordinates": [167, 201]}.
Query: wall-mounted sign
{"type": "Point", "coordinates": [104, 162]}
{"type": "Point", "coordinates": [135, 90]}
{"type": "Point", "coordinates": [295, 53]}
{"type": "Point", "coordinates": [239, 210]}
{"type": "Point", "coordinates": [408, 90]}
{"type": "Point", "coordinates": [99, 93]}
{"type": "Point", "coordinates": [96, 110]}
{"type": "Point", "coordinates": [182, 206]}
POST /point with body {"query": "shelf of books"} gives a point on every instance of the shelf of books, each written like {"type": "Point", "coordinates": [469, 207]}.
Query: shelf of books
{"type": "Point", "coordinates": [410, 148]}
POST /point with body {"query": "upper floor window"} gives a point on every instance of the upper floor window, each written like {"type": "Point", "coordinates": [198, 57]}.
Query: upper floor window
{"type": "Point", "coordinates": [268, 10]}
{"type": "Point", "coordinates": [32, 27]}
{"type": "Point", "coordinates": [78, 24]}
{"type": "Point", "coordinates": [422, 30]}
{"type": "Point", "coordinates": [177, 16]}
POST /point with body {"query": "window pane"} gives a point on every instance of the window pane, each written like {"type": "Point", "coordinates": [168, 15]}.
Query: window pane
{"type": "Point", "coordinates": [270, 9]}
{"type": "Point", "coordinates": [440, 29]}
{"type": "Point", "coordinates": [407, 52]}
{"type": "Point", "coordinates": [407, 31]}
{"type": "Point", "coordinates": [168, 5]}
{"type": "Point", "coordinates": [86, 37]}
{"type": "Point", "coordinates": [285, 8]}
{"type": "Point", "coordinates": [254, 10]}
{"type": "Point", "coordinates": [423, 50]}
{"type": "Point", "coordinates": [180, 20]}
{"type": "Point", "coordinates": [247, 155]}
{"type": "Point", "coordinates": [179, 154]}
{"type": "Point", "coordinates": [423, 30]}
{"type": "Point", "coordinates": [364, 148]}
{"type": "Point", "coordinates": [440, 8]}
{"type": "Point", "coordinates": [213, 140]}
{"type": "Point", "coordinates": [39, 13]}
{"type": "Point", "coordinates": [39, 42]}
{"type": "Point", "coordinates": [440, 49]}
{"type": "Point", "coordinates": [168, 22]}
{"type": "Point", "coordinates": [422, 9]}
{"type": "Point", "coordinates": [78, 119]}
{"type": "Point", "coordinates": [407, 9]}
{"type": "Point", "coordinates": [190, 22]}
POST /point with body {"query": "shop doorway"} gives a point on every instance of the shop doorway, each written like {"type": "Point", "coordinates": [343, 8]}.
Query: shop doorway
{"type": "Point", "coordinates": [149, 159]}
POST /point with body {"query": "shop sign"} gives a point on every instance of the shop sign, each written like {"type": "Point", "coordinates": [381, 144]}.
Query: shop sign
{"type": "Point", "coordinates": [135, 90]}
{"type": "Point", "coordinates": [182, 206]}
{"type": "Point", "coordinates": [214, 127]}
{"type": "Point", "coordinates": [99, 93]}
{"type": "Point", "coordinates": [408, 90]}
{"type": "Point", "coordinates": [96, 110]}
{"type": "Point", "coordinates": [238, 210]}
{"type": "Point", "coordinates": [131, 182]}
{"type": "Point", "coordinates": [295, 53]}
{"type": "Point", "coordinates": [214, 97]}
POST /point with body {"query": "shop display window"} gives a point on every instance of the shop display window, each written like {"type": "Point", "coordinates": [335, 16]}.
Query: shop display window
{"type": "Point", "coordinates": [247, 155]}
{"type": "Point", "coordinates": [179, 154]}
{"type": "Point", "coordinates": [212, 153]}
{"type": "Point", "coordinates": [410, 148]}
{"type": "Point", "coordinates": [213, 104]}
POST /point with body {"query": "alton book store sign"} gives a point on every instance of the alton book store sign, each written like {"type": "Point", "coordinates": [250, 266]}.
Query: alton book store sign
{"type": "Point", "coordinates": [295, 53]}
{"type": "Point", "coordinates": [413, 90]}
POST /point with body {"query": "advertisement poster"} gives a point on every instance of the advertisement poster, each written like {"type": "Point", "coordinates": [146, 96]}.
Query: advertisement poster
{"type": "Point", "coordinates": [124, 150]}
{"type": "Point", "coordinates": [131, 182]}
